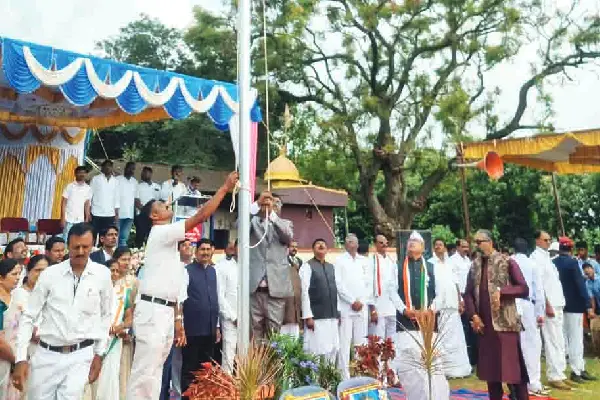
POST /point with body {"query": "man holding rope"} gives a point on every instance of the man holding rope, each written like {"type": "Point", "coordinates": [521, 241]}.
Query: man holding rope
{"type": "Point", "coordinates": [156, 317]}
{"type": "Point", "coordinates": [270, 281]}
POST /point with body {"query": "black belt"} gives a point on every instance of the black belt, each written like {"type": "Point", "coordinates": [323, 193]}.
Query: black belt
{"type": "Point", "coordinates": [158, 300]}
{"type": "Point", "coordinates": [67, 349]}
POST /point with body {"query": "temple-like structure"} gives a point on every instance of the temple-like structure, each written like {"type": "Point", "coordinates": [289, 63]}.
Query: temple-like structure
{"type": "Point", "coordinates": [309, 207]}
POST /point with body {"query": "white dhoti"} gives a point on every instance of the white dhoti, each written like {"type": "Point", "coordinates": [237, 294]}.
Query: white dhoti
{"type": "Point", "coordinates": [531, 344]}
{"type": "Point", "coordinates": [229, 345]}
{"type": "Point", "coordinates": [554, 346]}
{"type": "Point", "coordinates": [353, 331]}
{"type": "Point", "coordinates": [59, 376]}
{"type": "Point", "coordinates": [573, 330]}
{"type": "Point", "coordinates": [455, 358]}
{"type": "Point", "coordinates": [107, 386]}
{"type": "Point", "coordinates": [384, 328]}
{"type": "Point", "coordinates": [412, 374]}
{"type": "Point", "coordinates": [324, 339]}
{"type": "Point", "coordinates": [292, 330]}
{"type": "Point", "coordinates": [153, 326]}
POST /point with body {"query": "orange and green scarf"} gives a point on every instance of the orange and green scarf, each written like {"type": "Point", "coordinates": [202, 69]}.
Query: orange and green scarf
{"type": "Point", "coordinates": [422, 285]}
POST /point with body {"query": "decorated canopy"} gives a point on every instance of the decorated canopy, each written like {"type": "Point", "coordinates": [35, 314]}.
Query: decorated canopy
{"type": "Point", "coordinates": [50, 98]}
{"type": "Point", "coordinates": [47, 86]}
{"type": "Point", "coordinates": [564, 153]}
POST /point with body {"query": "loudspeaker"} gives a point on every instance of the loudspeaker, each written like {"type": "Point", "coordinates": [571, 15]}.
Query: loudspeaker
{"type": "Point", "coordinates": [402, 239]}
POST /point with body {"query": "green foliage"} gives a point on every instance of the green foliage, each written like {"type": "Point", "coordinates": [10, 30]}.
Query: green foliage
{"type": "Point", "coordinates": [443, 232]}
{"type": "Point", "coordinates": [300, 368]}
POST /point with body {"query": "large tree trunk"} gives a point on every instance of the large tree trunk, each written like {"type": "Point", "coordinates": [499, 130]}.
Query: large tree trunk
{"type": "Point", "coordinates": [393, 212]}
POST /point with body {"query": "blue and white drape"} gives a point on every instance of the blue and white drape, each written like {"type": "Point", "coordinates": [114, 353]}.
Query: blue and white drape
{"type": "Point", "coordinates": [81, 79]}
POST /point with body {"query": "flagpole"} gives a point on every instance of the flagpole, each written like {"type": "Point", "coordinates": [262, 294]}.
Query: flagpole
{"type": "Point", "coordinates": [244, 43]}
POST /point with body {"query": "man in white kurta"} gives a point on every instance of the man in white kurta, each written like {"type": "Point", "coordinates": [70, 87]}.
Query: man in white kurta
{"type": "Point", "coordinates": [532, 312]}
{"type": "Point", "coordinates": [320, 304]}
{"type": "Point", "coordinates": [448, 302]}
{"type": "Point", "coordinates": [353, 288]}
{"type": "Point", "coordinates": [552, 329]}
{"type": "Point", "coordinates": [383, 273]}
{"type": "Point", "coordinates": [461, 264]}
{"type": "Point", "coordinates": [227, 287]}
{"type": "Point", "coordinates": [155, 318]}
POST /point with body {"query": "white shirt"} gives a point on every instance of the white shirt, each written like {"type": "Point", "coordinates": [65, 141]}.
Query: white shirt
{"type": "Point", "coordinates": [127, 192]}
{"type": "Point", "coordinates": [76, 194]}
{"type": "Point", "coordinates": [388, 272]}
{"type": "Point", "coordinates": [305, 276]}
{"type": "Point", "coordinates": [147, 191]}
{"type": "Point", "coordinates": [170, 193]}
{"type": "Point", "coordinates": [353, 283]}
{"type": "Point", "coordinates": [551, 285]}
{"type": "Point", "coordinates": [69, 313]}
{"type": "Point", "coordinates": [460, 269]}
{"type": "Point", "coordinates": [446, 292]}
{"type": "Point", "coordinates": [162, 275]}
{"type": "Point", "coordinates": [183, 288]}
{"type": "Point", "coordinates": [227, 287]}
{"type": "Point", "coordinates": [105, 198]}
{"type": "Point", "coordinates": [531, 274]}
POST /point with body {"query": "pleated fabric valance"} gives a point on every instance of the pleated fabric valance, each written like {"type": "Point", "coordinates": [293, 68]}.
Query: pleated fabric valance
{"type": "Point", "coordinates": [95, 92]}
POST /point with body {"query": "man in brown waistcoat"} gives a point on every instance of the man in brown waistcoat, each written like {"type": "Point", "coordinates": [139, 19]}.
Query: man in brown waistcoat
{"type": "Point", "coordinates": [494, 282]}
{"type": "Point", "coordinates": [292, 317]}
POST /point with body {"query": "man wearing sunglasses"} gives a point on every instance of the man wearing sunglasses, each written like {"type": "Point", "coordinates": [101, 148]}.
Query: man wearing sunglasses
{"type": "Point", "coordinates": [494, 283]}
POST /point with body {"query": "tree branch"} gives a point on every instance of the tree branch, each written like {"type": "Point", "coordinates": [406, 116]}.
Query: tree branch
{"type": "Point", "coordinates": [573, 60]}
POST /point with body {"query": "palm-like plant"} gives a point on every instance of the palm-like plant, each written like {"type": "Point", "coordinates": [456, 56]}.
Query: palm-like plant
{"type": "Point", "coordinates": [257, 370]}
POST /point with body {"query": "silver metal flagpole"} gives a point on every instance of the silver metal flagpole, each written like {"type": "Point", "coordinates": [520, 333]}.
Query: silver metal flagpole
{"type": "Point", "coordinates": [244, 20]}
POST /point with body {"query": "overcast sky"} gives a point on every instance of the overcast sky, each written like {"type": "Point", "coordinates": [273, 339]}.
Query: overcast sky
{"type": "Point", "coordinates": [76, 25]}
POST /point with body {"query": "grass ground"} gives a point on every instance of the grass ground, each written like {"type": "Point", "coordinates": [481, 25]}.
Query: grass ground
{"type": "Point", "coordinates": [587, 391]}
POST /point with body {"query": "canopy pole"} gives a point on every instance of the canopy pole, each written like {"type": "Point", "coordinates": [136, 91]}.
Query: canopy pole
{"type": "Point", "coordinates": [244, 43]}
{"type": "Point", "coordinates": [463, 184]}
{"type": "Point", "coordinates": [557, 204]}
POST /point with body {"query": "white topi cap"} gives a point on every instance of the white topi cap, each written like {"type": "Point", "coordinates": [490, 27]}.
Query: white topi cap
{"type": "Point", "coordinates": [553, 246]}
{"type": "Point", "coordinates": [416, 236]}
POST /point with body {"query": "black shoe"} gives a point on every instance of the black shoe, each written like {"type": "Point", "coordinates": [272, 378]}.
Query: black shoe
{"type": "Point", "coordinates": [587, 377]}
{"type": "Point", "coordinates": [576, 378]}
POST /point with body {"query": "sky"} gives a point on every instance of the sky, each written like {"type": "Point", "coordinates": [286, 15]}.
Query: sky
{"type": "Point", "coordinates": [77, 25]}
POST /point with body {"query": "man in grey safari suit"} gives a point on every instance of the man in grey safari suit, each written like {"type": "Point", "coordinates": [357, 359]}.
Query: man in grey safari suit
{"type": "Point", "coordinates": [270, 282]}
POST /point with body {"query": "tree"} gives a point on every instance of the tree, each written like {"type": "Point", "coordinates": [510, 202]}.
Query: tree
{"type": "Point", "coordinates": [386, 77]}
{"type": "Point", "coordinates": [148, 43]}
{"type": "Point", "coordinates": [193, 141]}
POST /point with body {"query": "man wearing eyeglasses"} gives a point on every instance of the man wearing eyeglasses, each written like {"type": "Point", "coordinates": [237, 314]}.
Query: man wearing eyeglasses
{"type": "Point", "coordinates": [552, 329]}
{"type": "Point", "coordinates": [494, 283]}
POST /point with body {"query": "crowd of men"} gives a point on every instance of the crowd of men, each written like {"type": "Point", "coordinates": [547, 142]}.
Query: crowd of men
{"type": "Point", "coordinates": [493, 309]}
{"type": "Point", "coordinates": [116, 200]}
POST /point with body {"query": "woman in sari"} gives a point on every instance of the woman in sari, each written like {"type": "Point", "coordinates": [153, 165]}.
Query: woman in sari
{"type": "Point", "coordinates": [108, 385]}
{"type": "Point", "coordinates": [20, 296]}
{"type": "Point", "coordinates": [10, 272]}
{"type": "Point", "coordinates": [128, 282]}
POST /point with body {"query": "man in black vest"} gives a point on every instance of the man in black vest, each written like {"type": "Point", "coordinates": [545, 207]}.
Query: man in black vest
{"type": "Point", "coordinates": [200, 314]}
{"type": "Point", "coordinates": [320, 304]}
{"type": "Point", "coordinates": [415, 294]}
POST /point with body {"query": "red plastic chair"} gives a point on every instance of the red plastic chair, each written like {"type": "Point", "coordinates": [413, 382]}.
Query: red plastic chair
{"type": "Point", "coordinates": [47, 227]}
{"type": "Point", "coordinates": [14, 225]}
